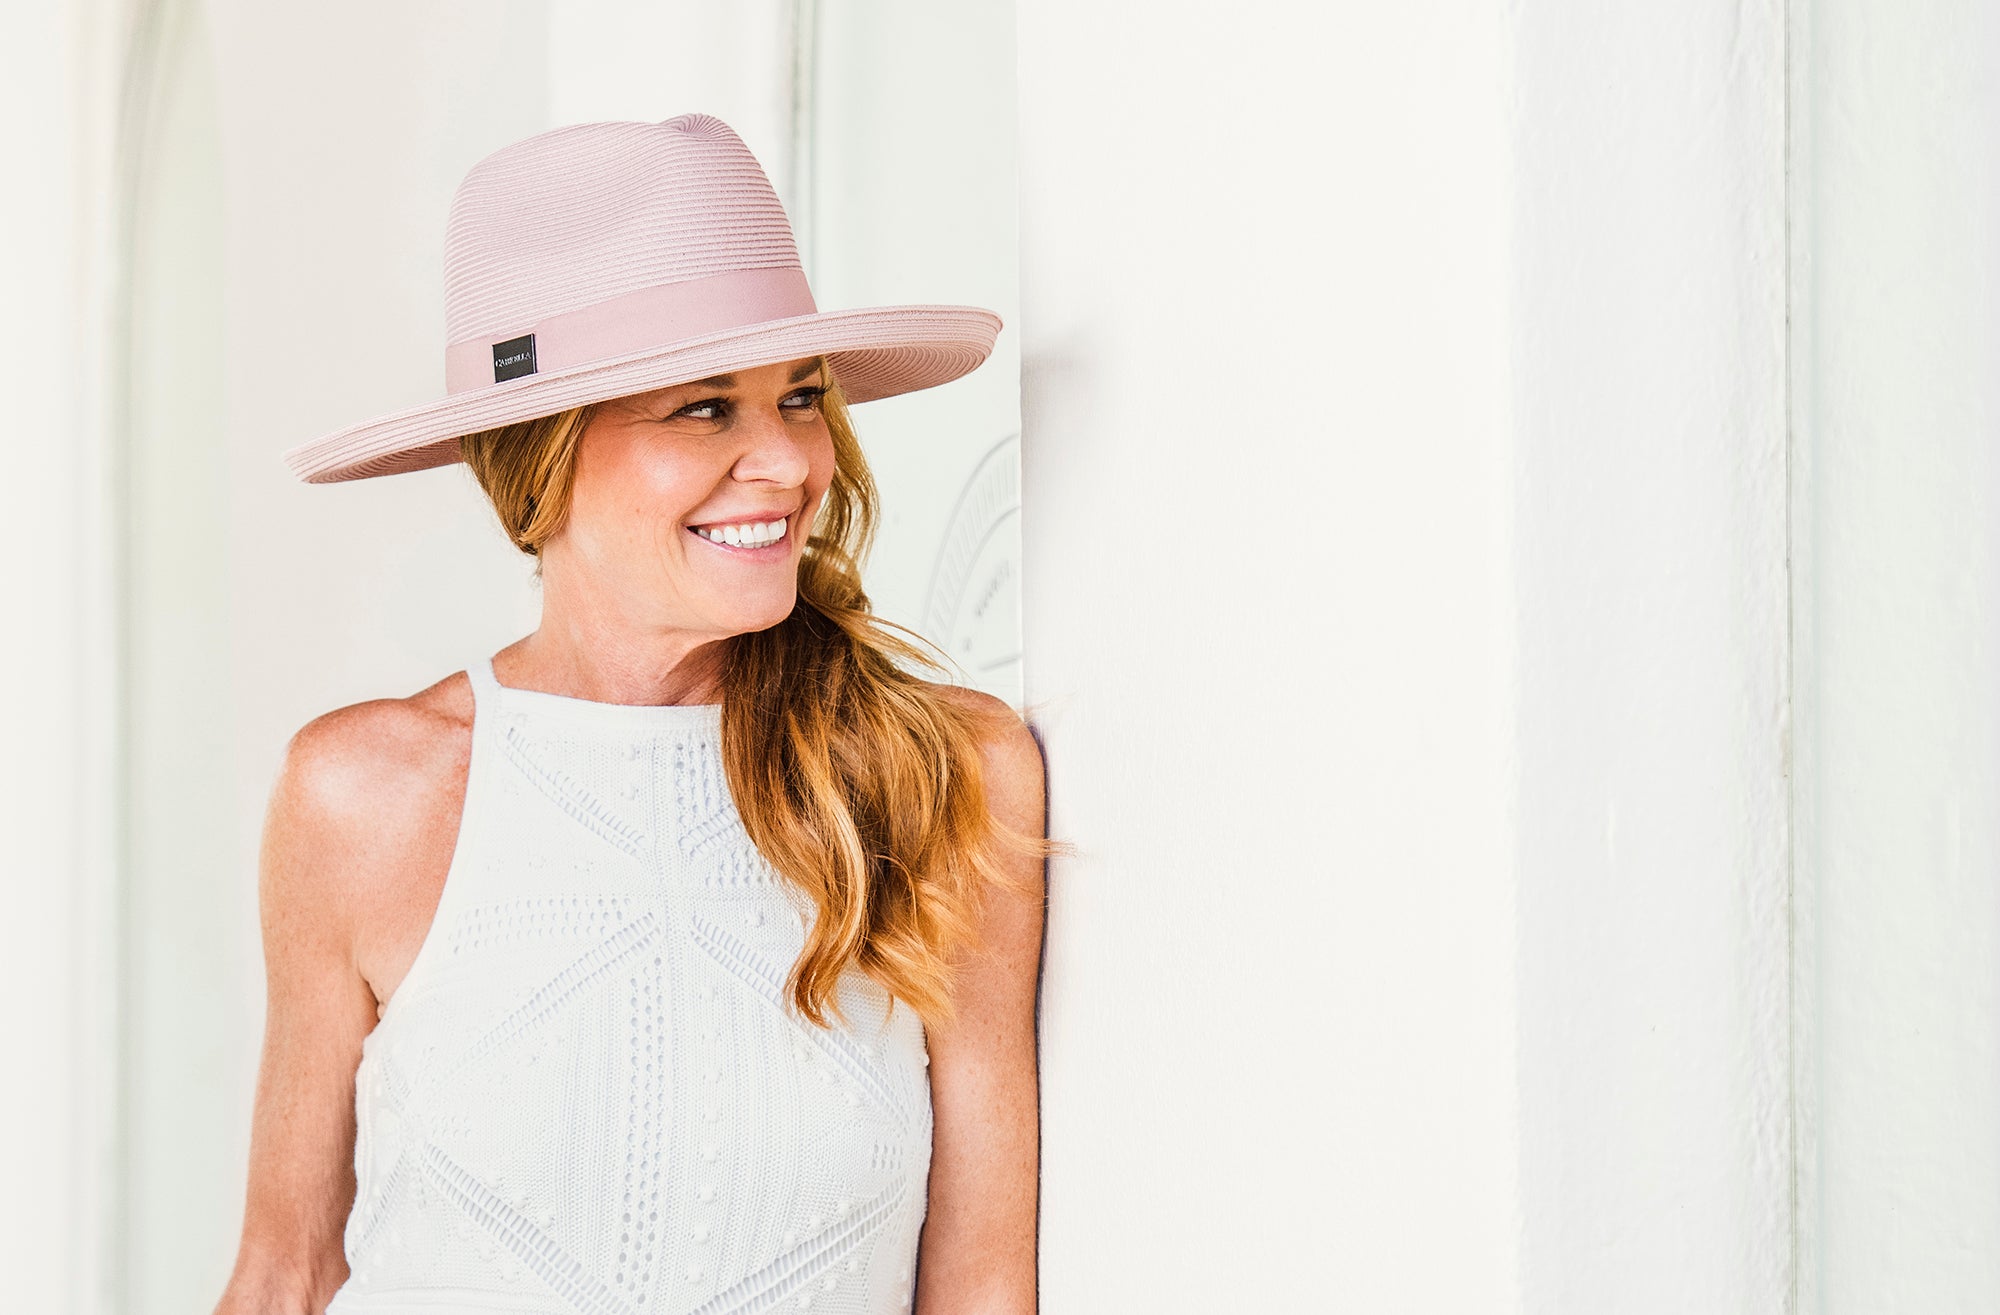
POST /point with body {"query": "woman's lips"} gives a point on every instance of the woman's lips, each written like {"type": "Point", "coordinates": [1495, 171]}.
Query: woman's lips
{"type": "Point", "coordinates": [776, 548]}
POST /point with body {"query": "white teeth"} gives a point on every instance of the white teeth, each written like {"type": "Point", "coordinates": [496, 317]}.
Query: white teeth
{"type": "Point", "coordinates": [751, 534]}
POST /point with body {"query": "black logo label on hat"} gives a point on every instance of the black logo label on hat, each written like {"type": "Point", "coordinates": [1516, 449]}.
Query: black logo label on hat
{"type": "Point", "coordinates": [513, 358]}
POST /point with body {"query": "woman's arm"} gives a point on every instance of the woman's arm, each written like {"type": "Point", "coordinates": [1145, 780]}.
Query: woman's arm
{"type": "Point", "coordinates": [319, 1007]}
{"type": "Point", "coordinates": [977, 1253]}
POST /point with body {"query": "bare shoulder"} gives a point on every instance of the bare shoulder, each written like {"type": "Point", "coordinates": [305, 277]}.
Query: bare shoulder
{"type": "Point", "coordinates": [362, 762]}
{"type": "Point", "coordinates": [348, 743]}
{"type": "Point", "coordinates": [1011, 755]}
{"type": "Point", "coordinates": [360, 796]}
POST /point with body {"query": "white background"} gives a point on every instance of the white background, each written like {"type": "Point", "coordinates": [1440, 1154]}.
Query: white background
{"type": "Point", "coordinates": [1505, 580]}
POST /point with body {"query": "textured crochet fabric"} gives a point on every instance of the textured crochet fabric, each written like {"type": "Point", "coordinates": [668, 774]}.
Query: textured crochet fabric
{"type": "Point", "coordinates": [588, 1095]}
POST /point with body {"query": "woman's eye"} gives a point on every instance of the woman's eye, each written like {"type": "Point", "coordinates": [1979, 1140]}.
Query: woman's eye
{"type": "Point", "coordinates": [714, 408]}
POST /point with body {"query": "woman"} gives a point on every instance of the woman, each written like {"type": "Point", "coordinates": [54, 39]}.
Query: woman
{"type": "Point", "coordinates": [681, 956]}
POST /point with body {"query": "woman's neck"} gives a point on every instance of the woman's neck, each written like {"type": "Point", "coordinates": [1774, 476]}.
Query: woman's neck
{"type": "Point", "coordinates": [612, 666]}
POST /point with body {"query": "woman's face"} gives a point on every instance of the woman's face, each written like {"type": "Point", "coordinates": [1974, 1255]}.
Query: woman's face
{"type": "Point", "coordinates": [692, 504]}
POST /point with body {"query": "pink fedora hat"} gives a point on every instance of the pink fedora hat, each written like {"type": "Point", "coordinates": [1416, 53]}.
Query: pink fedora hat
{"type": "Point", "coordinates": [604, 259]}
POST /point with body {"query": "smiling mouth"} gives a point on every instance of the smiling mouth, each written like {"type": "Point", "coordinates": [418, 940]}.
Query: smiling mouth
{"type": "Point", "coordinates": [746, 536]}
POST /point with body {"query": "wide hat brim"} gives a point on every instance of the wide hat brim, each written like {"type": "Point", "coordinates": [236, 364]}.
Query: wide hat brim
{"type": "Point", "coordinates": [875, 352]}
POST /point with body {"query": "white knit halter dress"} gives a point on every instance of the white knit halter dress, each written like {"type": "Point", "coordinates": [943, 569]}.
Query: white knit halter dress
{"type": "Point", "coordinates": [589, 1095]}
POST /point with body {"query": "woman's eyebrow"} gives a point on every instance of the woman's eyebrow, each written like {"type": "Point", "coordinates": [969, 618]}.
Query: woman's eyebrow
{"type": "Point", "coordinates": [804, 373]}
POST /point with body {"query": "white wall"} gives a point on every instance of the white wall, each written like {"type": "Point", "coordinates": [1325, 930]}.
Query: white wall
{"type": "Point", "coordinates": [54, 80]}
{"type": "Point", "coordinates": [1404, 507]}
{"type": "Point", "coordinates": [1897, 497]}
{"type": "Point", "coordinates": [914, 196]}
{"type": "Point", "coordinates": [1267, 472]}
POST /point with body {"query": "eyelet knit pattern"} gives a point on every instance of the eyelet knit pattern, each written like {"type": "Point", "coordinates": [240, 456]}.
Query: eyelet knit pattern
{"type": "Point", "coordinates": [590, 1095]}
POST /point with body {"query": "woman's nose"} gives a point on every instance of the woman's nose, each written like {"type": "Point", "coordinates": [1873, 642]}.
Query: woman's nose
{"type": "Point", "coordinates": [776, 451]}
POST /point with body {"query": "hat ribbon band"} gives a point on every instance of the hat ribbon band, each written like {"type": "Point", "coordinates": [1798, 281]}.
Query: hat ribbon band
{"type": "Point", "coordinates": [649, 317]}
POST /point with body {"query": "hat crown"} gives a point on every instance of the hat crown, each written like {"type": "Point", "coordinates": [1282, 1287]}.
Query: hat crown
{"type": "Point", "coordinates": [582, 214]}
{"type": "Point", "coordinates": [605, 259]}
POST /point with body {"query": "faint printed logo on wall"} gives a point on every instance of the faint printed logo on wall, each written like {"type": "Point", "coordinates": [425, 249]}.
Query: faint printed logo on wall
{"type": "Point", "coordinates": [973, 609]}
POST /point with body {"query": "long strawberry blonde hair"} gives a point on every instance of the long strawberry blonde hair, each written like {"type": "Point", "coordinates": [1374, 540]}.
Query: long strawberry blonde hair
{"type": "Point", "coordinates": [860, 782]}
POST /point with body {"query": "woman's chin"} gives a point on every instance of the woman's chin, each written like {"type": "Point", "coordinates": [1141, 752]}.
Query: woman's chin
{"type": "Point", "coordinates": [743, 620]}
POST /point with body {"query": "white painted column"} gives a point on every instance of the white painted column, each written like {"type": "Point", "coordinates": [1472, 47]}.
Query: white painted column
{"type": "Point", "coordinates": [1648, 338]}
{"type": "Point", "coordinates": [1404, 469]}
{"type": "Point", "coordinates": [1896, 500]}
{"type": "Point", "coordinates": [1267, 491]}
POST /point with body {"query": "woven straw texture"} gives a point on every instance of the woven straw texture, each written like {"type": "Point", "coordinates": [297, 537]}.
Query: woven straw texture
{"type": "Point", "coordinates": [580, 216]}
{"type": "Point", "coordinates": [556, 222]}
